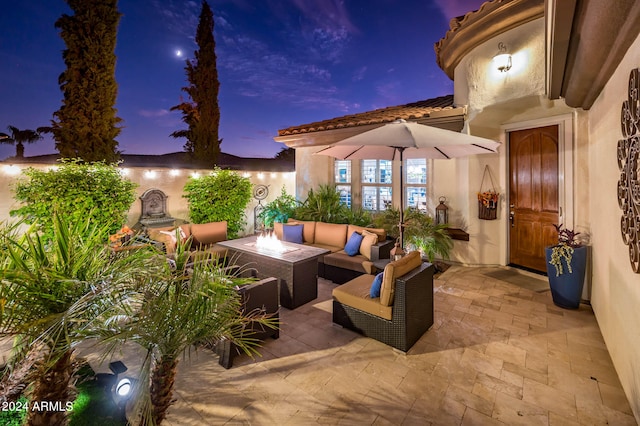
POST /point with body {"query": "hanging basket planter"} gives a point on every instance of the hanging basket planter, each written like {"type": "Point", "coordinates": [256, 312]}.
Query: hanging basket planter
{"type": "Point", "coordinates": [488, 200]}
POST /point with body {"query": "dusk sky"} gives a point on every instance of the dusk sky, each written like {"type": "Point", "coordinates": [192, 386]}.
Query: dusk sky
{"type": "Point", "coordinates": [281, 63]}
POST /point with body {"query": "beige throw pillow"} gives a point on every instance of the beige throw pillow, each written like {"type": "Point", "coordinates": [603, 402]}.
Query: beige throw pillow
{"type": "Point", "coordinates": [369, 239]}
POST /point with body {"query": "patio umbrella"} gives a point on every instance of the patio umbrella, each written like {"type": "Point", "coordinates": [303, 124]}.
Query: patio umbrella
{"type": "Point", "coordinates": [401, 139]}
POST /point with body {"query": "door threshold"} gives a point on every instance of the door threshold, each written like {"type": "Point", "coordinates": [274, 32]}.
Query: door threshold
{"type": "Point", "coordinates": [524, 268]}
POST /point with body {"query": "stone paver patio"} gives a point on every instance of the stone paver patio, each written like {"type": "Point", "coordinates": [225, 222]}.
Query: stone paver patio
{"type": "Point", "coordinates": [497, 354]}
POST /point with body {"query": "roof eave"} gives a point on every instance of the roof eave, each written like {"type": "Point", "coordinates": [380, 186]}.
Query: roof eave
{"type": "Point", "coordinates": [450, 119]}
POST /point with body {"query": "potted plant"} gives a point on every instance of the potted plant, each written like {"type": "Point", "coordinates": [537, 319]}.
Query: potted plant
{"type": "Point", "coordinates": [566, 267]}
{"type": "Point", "coordinates": [420, 232]}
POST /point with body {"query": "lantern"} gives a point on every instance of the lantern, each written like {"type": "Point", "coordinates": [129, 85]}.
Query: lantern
{"type": "Point", "coordinates": [397, 252]}
{"type": "Point", "coordinates": [442, 215]}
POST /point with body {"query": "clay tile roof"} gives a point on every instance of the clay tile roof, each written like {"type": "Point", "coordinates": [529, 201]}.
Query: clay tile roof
{"type": "Point", "coordinates": [412, 111]}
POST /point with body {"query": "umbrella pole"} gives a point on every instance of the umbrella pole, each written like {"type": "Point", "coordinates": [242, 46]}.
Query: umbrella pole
{"type": "Point", "coordinates": [401, 225]}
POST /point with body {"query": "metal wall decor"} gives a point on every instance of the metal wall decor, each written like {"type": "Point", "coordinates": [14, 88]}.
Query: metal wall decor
{"type": "Point", "coordinates": [629, 165]}
{"type": "Point", "coordinates": [260, 192]}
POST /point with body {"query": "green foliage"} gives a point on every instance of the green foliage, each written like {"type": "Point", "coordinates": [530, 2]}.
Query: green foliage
{"type": "Point", "coordinates": [51, 294]}
{"type": "Point", "coordinates": [221, 195]}
{"type": "Point", "coordinates": [420, 231]}
{"type": "Point", "coordinates": [94, 407]}
{"type": "Point", "coordinates": [202, 113]}
{"type": "Point", "coordinates": [14, 417]}
{"type": "Point", "coordinates": [325, 205]}
{"type": "Point", "coordinates": [180, 306]}
{"type": "Point", "coordinates": [76, 191]}
{"type": "Point", "coordinates": [559, 252]}
{"type": "Point", "coordinates": [279, 210]}
{"type": "Point", "coordinates": [86, 125]}
{"type": "Point", "coordinates": [423, 234]}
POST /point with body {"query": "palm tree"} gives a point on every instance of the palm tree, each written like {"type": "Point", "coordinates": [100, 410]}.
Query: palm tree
{"type": "Point", "coordinates": [19, 137]}
{"type": "Point", "coordinates": [184, 305]}
{"type": "Point", "coordinates": [49, 293]}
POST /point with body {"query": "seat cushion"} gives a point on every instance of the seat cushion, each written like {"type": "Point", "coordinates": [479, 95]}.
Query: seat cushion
{"type": "Point", "coordinates": [331, 234]}
{"type": "Point", "coordinates": [353, 244]}
{"type": "Point", "coordinates": [380, 232]}
{"type": "Point", "coordinates": [332, 249]}
{"type": "Point", "coordinates": [208, 233]}
{"type": "Point", "coordinates": [368, 240]}
{"type": "Point", "coordinates": [342, 260]}
{"type": "Point", "coordinates": [355, 293]}
{"type": "Point", "coordinates": [213, 252]}
{"type": "Point", "coordinates": [395, 270]}
{"type": "Point", "coordinates": [168, 236]}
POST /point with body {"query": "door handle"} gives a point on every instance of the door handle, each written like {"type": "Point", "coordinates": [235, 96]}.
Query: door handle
{"type": "Point", "coordinates": [511, 217]}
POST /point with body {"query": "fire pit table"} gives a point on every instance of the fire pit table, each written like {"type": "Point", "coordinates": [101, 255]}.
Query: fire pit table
{"type": "Point", "coordinates": [295, 266]}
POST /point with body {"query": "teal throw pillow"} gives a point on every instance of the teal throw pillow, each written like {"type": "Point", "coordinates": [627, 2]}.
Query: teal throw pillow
{"type": "Point", "coordinates": [353, 245]}
{"type": "Point", "coordinates": [376, 285]}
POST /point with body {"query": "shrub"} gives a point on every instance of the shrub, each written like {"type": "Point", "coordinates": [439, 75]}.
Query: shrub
{"type": "Point", "coordinates": [279, 210]}
{"type": "Point", "coordinates": [221, 195]}
{"type": "Point", "coordinates": [75, 190]}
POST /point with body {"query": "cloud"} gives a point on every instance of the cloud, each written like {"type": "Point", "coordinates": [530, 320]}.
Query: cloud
{"type": "Point", "coordinates": [179, 17]}
{"type": "Point", "coordinates": [154, 113]}
{"type": "Point", "coordinates": [359, 74]}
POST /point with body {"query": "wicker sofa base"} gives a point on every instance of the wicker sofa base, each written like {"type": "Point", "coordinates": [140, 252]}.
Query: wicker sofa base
{"type": "Point", "coordinates": [412, 312]}
{"type": "Point", "coordinates": [336, 274]}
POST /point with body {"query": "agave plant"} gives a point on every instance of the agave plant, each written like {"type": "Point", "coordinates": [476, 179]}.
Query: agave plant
{"type": "Point", "coordinates": [182, 305]}
{"type": "Point", "coordinates": [49, 295]}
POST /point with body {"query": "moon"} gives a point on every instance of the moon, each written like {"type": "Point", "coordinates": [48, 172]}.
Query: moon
{"type": "Point", "coordinates": [178, 53]}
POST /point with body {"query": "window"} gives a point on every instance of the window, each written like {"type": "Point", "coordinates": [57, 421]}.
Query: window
{"type": "Point", "coordinates": [415, 186]}
{"type": "Point", "coordinates": [376, 188]}
{"type": "Point", "coordinates": [342, 177]}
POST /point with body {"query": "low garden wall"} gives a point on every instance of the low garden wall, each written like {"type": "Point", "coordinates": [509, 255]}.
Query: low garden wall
{"type": "Point", "coordinates": [169, 181]}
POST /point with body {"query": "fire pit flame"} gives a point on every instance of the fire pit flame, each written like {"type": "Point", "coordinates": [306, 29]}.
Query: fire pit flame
{"type": "Point", "coordinates": [271, 243]}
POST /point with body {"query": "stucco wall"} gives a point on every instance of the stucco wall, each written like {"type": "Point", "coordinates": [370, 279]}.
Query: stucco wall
{"type": "Point", "coordinates": [311, 171]}
{"type": "Point", "coordinates": [170, 182]}
{"type": "Point", "coordinates": [616, 289]}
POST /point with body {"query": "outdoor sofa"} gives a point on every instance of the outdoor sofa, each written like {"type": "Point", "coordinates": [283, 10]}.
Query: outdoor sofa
{"type": "Point", "coordinates": [401, 314]}
{"type": "Point", "coordinates": [203, 238]}
{"type": "Point", "coordinates": [338, 266]}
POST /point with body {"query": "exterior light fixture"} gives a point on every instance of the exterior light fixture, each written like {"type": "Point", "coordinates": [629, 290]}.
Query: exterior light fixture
{"type": "Point", "coordinates": [121, 389]}
{"type": "Point", "coordinates": [442, 214]}
{"type": "Point", "coordinates": [503, 59]}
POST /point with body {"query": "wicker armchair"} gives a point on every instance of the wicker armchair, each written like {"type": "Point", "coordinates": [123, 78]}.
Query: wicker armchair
{"type": "Point", "coordinates": [411, 310]}
{"type": "Point", "coordinates": [260, 296]}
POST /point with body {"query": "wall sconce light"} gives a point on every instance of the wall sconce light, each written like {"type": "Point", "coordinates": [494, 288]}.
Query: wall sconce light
{"type": "Point", "coordinates": [503, 59]}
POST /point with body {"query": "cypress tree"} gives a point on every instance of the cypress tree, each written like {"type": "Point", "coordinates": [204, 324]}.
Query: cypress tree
{"type": "Point", "coordinates": [201, 113]}
{"type": "Point", "coordinates": [86, 124]}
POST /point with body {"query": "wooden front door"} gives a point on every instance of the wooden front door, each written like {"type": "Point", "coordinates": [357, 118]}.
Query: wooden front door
{"type": "Point", "coordinates": [533, 195]}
